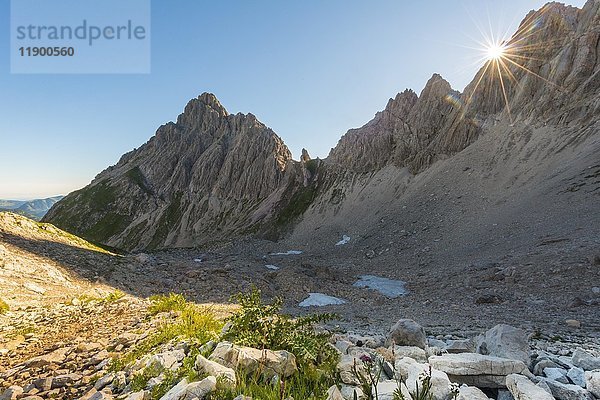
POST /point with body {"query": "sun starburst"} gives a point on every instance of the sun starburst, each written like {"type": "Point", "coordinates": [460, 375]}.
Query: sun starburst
{"type": "Point", "coordinates": [495, 51]}
{"type": "Point", "coordinates": [506, 59]}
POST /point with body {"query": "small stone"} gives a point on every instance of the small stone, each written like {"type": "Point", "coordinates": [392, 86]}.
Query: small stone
{"type": "Point", "coordinates": [556, 374]}
{"type": "Point", "coordinates": [104, 381]}
{"type": "Point", "coordinates": [65, 380]}
{"type": "Point", "coordinates": [414, 352]}
{"type": "Point", "coordinates": [141, 395]}
{"type": "Point", "coordinates": [573, 323]}
{"type": "Point", "coordinates": [577, 376]}
{"type": "Point", "coordinates": [12, 393]}
{"type": "Point", "coordinates": [333, 393]}
{"type": "Point", "coordinates": [43, 384]}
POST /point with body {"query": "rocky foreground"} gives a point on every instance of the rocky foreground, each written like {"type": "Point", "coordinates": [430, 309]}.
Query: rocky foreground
{"type": "Point", "coordinates": [121, 359]}
{"type": "Point", "coordinates": [76, 322]}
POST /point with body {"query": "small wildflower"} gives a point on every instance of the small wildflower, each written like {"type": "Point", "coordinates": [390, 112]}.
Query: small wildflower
{"type": "Point", "coordinates": [366, 358]}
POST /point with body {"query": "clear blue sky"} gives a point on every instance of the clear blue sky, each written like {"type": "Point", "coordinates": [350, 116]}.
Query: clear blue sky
{"type": "Point", "coordinates": [309, 69]}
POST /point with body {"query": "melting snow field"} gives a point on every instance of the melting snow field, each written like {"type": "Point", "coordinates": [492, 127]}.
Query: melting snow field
{"type": "Point", "coordinates": [320, 299]}
{"type": "Point", "coordinates": [287, 253]}
{"type": "Point", "coordinates": [345, 240]}
{"type": "Point", "coordinates": [273, 267]}
{"type": "Point", "coordinates": [387, 287]}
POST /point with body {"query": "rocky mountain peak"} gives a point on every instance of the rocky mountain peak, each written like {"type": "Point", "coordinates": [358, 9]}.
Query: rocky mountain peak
{"type": "Point", "coordinates": [204, 107]}
{"type": "Point", "coordinates": [402, 103]}
{"type": "Point", "coordinates": [305, 157]}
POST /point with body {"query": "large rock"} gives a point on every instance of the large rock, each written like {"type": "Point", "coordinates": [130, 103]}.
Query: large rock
{"type": "Point", "coordinates": [568, 392]}
{"type": "Point", "coordinates": [176, 392]}
{"type": "Point", "coordinates": [585, 360]}
{"type": "Point", "coordinates": [387, 388]}
{"type": "Point", "coordinates": [440, 384]}
{"type": "Point", "coordinates": [199, 390]}
{"type": "Point", "coordinates": [523, 389]}
{"type": "Point", "coordinates": [407, 332]}
{"type": "Point", "coordinates": [477, 369]}
{"type": "Point", "coordinates": [414, 352]}
{"type": "Point", "coordinates": [592, 382]}
{"type": "Point", "coordinates": [505, 341]}
{"type": "Point", "coordinates": [471, 393]}
{"type": "Point", "coordinates": [225, 375]}
{"type": "Point", "coordinates": [282, 363]}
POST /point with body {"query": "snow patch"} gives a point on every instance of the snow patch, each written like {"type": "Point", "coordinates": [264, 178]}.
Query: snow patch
{"type": "Point", "coordinates": [320, 299]}
{"type": "Point", "coordinates": [387, 287]}
{"type": "Point", "coordinates": [273, 267]}
{"type": "Point", "coordinates": [345, 240]}
{"type": "Point", "coordinates": [287, 253]}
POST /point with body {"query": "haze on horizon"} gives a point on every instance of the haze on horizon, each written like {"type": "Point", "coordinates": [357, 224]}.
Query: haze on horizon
{"type": "Point", "coordinates": [309, 70]}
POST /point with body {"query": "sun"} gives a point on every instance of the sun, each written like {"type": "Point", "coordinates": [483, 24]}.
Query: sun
{"type": "Point", "coordinates": [495, 52]}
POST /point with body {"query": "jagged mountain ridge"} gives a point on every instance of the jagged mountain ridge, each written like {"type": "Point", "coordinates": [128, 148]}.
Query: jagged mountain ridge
{"type": "Point", "coordinates": [207, 177]}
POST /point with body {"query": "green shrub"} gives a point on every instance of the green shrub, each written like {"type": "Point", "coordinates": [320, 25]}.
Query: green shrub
{"type": "Point", "coordinates": [3, 307]}
{"type": "Point", "coordinates": [193, 322]}
{"type": "Point", "coordinates": [166, 303]}
{"type": "Point", "coordinates": [262, 325]}
{"type": "Point", "coordinates": [310, 384]}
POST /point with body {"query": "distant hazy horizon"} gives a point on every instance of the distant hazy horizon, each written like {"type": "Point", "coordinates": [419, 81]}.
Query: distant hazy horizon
{"type": "Point", "coordinates": [310, 70]}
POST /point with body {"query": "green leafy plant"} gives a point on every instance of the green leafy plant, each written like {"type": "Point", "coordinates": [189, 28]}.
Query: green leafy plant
{"type": "Point", "coordinates": [310, 384]}
{"type": "Point", "coordinates": [263, 326]}
{"type": "Point", "coordinates": [370, 379]}
{"type": "Point", "coordinates": [423, 392]}
{"type": "Point", "coordinates": [192, 322]}
{"type": "Point", "coordinates": [166, 303]}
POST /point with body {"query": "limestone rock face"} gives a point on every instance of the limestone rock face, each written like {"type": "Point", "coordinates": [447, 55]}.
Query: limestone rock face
{"type": "Point", "coordinates": [550, 75]}
{"type": "Point", "coordinates": [212, 175]}
{"type": "Point", "coordinates": [205, 175]}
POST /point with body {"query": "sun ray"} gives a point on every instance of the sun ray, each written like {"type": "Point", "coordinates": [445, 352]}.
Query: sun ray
{"type": "Point", "coordinates": [531, 72]}
{"type": "Point", "coordinates": [468, 102]}
{"type": "Point", "coordinates": [503, 90]}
